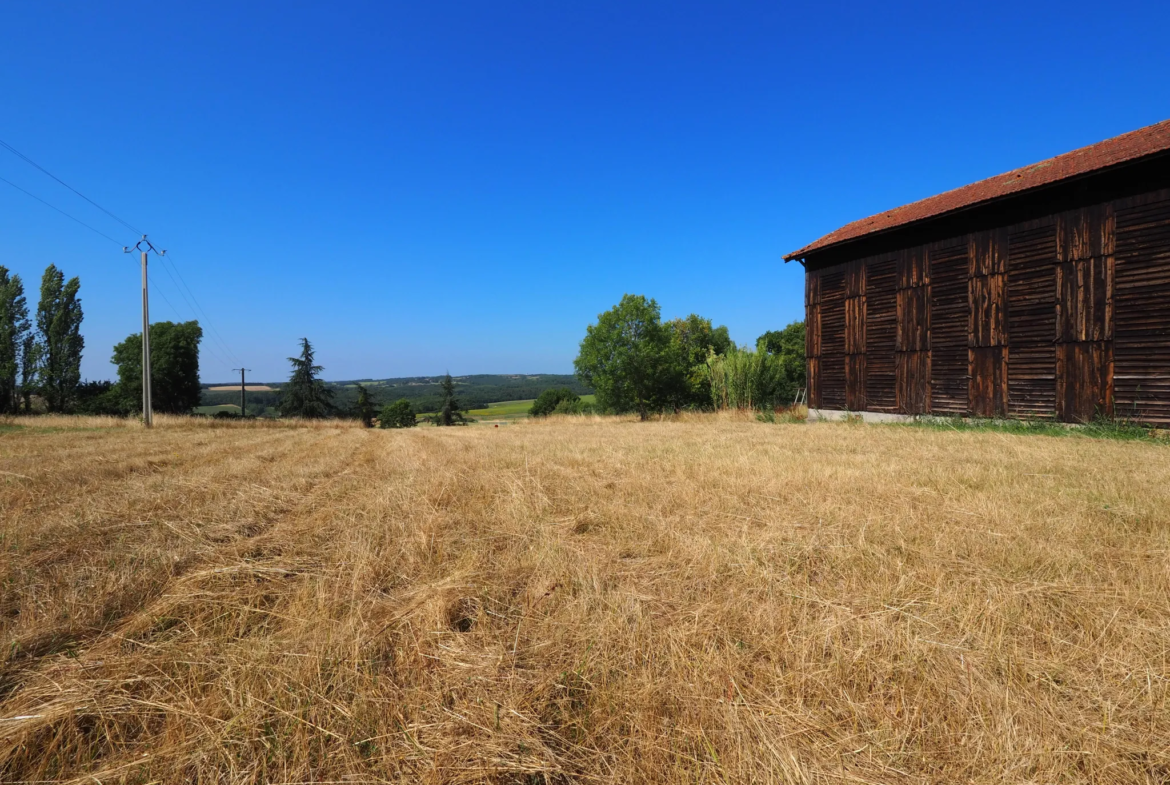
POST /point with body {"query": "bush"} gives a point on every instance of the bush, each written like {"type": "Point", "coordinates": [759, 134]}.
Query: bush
{"type": "Point", "coordinates": [102, 398]}
{"type": "Point", "coordinates": [558, 400]}
{"type": "Point", "coordinates": [399, 414]}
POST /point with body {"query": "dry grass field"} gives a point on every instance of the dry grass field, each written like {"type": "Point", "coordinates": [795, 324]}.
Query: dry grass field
{"type": "Point", "coordinates": [703, 600]}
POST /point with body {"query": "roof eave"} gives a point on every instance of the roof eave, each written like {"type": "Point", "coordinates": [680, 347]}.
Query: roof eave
{"type": "Point", "coordinates": [803, 253]}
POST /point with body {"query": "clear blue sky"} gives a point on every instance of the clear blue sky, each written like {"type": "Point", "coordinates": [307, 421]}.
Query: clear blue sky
{"type": "Point", "coordinates": [419, 187]}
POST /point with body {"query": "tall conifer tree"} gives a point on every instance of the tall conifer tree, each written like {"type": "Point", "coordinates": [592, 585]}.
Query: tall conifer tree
{"type": "Point", "coordinates": [306, 395]}
{"type": "Point", "coordinates": [449, 413]}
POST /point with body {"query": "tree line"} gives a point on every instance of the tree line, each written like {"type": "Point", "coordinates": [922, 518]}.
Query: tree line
{"type": "Point", "coordinates": [306, 395]}
{"type": "Point", "coordinates": [631, 358]}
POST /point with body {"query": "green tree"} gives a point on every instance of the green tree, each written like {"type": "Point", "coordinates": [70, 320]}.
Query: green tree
{"type": "Point", "coordinates": [550, 399]}
{"type": "Point", "coordinates": [30, 363]}
{"type": "Point", "coordinates": [449, 411]}
{"type": "Point", "coordinates": [59, 335]}
{"type": "Point", "coordinates": [627, 359]}
{"type": "Point", "coordinates": [306, 395]}
{"type": "Point", "coordinates": [364, 408]}
{"type": "Point", "coordinates": [174, 368]}
{"type": "Point", "coordinates": [692, 340]}
{"type": "Point", "coordinates": [14, 329]}
{"type": "Point", "coordinates": [787, 346]}
{"type": "Point", "coordinates": [399, 414]}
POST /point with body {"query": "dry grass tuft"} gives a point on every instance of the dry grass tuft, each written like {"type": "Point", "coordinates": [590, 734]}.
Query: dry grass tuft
{"type": "Point", "coordinates": [700, 599]}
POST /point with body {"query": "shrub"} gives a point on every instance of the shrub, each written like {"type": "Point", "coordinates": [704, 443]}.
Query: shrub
{"type": "Point", "coordinates": [568, 406]}
{"type": "Point", "coordinates": [399, 414]}
{"type": "Point", "coordinates": [551, 401]}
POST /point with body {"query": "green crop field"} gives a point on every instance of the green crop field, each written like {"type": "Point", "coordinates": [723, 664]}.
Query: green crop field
{"type": "Point", "coordinates": [512, 410]}
{"type": "Point", "coordinates": [502, 408]}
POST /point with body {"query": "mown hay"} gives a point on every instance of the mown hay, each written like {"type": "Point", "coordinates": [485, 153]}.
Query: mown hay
{"type": "Point", "coordinates": [707, 599]}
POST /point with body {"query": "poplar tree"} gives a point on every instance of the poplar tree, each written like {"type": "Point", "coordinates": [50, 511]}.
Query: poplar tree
{"type": "Point", "coordinates": [30, 360]}
{"type": "Point", "coordinates": [306, 395]}
{"type": "Point", "coordinates": [59, 335]}
{"type": "Point", "coordinates": [14, 329]}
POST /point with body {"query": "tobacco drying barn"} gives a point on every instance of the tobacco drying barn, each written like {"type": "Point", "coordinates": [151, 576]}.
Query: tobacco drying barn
{"type": "Point", "coordinates": [1040, 293]}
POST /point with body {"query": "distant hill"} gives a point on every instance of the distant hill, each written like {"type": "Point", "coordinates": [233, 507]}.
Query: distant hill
{"type": "Point", "coordinates": [473, 392]}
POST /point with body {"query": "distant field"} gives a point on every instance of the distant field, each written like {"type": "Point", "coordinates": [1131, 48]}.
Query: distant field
{"type": "Point", "coordinates": [248, 388]}
{"type": "Point", "coordinates": [700, 599]}
{"type": "Point", "coordinates": [504, 409]}
{"type": "Point", "coordinates": [511, 410]}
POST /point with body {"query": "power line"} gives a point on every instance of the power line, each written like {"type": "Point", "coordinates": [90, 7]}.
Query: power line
{"type": "Point", "coordinates": [193, 302]}
{"type": "Point", "coordinates": [58, 209]}
{"type": "Point", "coordinates": [153, 286]}
{"type": "Point", "coordinates": [195, 309]}
{"type": "Point", "coordinates": [223, 344]}
{"type": "Point", "coordinates": [31, 162]}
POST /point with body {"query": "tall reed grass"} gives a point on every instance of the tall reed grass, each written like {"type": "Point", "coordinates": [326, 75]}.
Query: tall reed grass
{"type": "Point", "coordinates": [746, 379]}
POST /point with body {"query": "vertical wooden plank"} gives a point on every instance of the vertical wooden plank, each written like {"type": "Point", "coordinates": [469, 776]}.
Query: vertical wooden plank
{"type": "Point", "coordinates": [855, 325]}
{"type": "Point", "coordinates": [855, 382]}
{"type": "Point", "coordinates": [913, 317]}
{"type": "Point", "coordinates": [1084, 380]}
{"type": "Point", "coordinates": [814, 383]}
{"type": "Point", "coordinates": [913, 340]}
{"type": "Point", "coordinates": [812, 332]}
{"type": "Point", "coordinates": [987, 252]}
{"type": "Point", "coordinates": [988, 389]}
{"type": "Point", "coordinates": [913, 392]}
{"type": "Point", "coordinates": [1084, 329]}
{"type": "Point", "coordinates": [987, 327]}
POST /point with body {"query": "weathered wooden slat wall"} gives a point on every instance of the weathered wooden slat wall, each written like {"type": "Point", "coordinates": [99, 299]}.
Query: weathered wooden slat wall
{"type": "Point", "coordinates": [1032, 320]}
{"type": "Point", "coordinates": [948, 329]}
{"type": "Point", "coordinates": [1066, 316]}
{"type": "Point", "coordinates": [1141, 353]}
{"type": "Point", "coordinates": [913, 339]}
{"type": "Point", "coordinates": [881, 334]}
{"type": "Point", "coordinates": [832, 366]}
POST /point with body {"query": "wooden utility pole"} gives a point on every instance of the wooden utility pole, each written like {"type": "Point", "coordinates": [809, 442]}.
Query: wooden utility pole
{"type": "Point", "coordinates": [243, 401]}
{"type": "Point", "coordinates": [147, 409]}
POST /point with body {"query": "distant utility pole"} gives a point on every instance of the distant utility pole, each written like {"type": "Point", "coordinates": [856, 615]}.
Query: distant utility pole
{"type": "Point", "coordinates": [147, 413]}
{"type": "Point", "coordinates": [243, 402]}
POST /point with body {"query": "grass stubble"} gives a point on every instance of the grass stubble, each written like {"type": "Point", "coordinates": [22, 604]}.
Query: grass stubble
{"type": "Point", "coordinates": [703, 599]}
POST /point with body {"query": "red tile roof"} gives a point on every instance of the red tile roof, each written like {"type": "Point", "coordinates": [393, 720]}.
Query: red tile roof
{"type": "Point", "coordinates": [1120, 149]}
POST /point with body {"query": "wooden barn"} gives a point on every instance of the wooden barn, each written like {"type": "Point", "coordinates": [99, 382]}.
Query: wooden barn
{"type": "Point", "coordinates": [1040, 293]}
